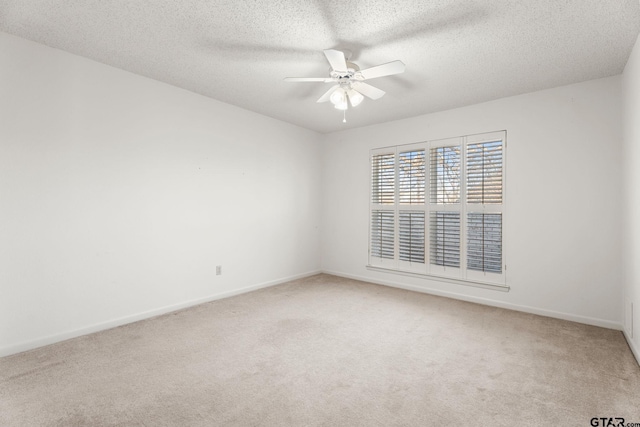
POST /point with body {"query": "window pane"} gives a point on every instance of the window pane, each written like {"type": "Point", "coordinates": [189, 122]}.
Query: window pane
{"type": "Point", "coordinates": [445, 175]}
{"type": "Point", "coordinates": [411, 171]}
{"type": "Point", "coordinates": [445, 238]}
{"type": "Point", "coordinates": [484, 242]}
{"type": "Point", "coordinates": [382, 234]}
{"type": "Point", "coordinates": [383, 179]}
{"type": "Point", "coordinates": [484, 172]}
{"type": "Point", "coordinates": [411, 236]}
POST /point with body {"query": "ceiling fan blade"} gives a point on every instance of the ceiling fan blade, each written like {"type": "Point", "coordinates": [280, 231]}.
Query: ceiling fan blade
{"type": "Point", "coordinates": [336, 59]}
{"type": "Point", "coordinates": [308, 79]}
{"type": "Point", "coordinates": [388, 69]}
{"type": "Point", "coordinates": [327, 95]}
{"type": "Point", "coordinates": [368, 90]}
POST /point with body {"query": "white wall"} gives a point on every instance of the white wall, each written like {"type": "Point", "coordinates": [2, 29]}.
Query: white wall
{"type": "Point", "coordinates": [631, 152]}
{"type": "Point", "coordinates": [119, 195]}
{"type": "Point", "coordinates": [562, 230]}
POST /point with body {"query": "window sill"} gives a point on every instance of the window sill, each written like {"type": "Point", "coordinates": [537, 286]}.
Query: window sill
{"type": "Point", "coordinates": [475, 284]}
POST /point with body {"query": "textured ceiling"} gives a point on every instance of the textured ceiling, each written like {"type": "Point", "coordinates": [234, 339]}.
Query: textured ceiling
{"type": "Point", "coordinates": [457, 52]}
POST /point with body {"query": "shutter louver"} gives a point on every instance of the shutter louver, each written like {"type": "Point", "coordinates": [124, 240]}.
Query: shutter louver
{"type": "Point", "coordinates": [382, 234]}
{"type": "Point", "coordinates": [445, 239]}
{"type": "Point", "coordinates": [484, 172]}
{"type": "Point", "coordinates": [383, 179]}
{"type": "Point", "coordinates": [484, 242]}
{"type": "Point", "coordinates": [411, 177]}
{"type": "Point", "coordinates": [411, 238]}
{"type": "Point", "coordinates": [445, 175]}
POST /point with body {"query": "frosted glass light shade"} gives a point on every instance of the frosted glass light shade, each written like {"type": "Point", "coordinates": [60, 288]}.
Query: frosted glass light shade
{"type": "Point", "coordinates": [355, 98]}
{"type": "Point", "coordinates": [338, 97]}
{"type": "Point", "coordinates": [342, 105]}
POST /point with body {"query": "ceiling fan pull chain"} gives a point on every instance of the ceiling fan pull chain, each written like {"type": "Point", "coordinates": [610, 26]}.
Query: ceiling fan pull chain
{"type": "Point", "coordinates": [344, 116]}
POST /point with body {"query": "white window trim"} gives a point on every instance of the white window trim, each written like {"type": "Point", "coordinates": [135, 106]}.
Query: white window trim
{"type": "Point", "coordinates": [460, 275]}
{"type": "Point", "coordinates": [447, 279]}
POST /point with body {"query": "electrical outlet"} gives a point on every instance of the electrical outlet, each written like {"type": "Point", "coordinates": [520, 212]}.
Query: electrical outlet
{"type": "Point", "coordinates": [218, 270]}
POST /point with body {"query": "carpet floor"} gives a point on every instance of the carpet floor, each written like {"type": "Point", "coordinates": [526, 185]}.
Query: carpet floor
{"type": "Point", "coordinates": [328, 351]}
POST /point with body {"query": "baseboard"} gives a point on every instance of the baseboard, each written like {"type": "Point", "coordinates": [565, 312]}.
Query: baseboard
{"type": "Point", "coordinates": [52, 339]}
{"type": "Point", "coordinates": [486, 301]}
{"type": "Point", "coordinates": [634, 349]}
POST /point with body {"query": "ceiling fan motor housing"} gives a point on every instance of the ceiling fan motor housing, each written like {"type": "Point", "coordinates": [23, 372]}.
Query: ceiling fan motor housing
{"type": "Point", "coordinates": [346, 76]}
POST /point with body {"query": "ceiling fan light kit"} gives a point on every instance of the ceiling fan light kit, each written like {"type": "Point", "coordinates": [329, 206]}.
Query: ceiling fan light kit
{"type": "Point", "coordinates": [349, 87]}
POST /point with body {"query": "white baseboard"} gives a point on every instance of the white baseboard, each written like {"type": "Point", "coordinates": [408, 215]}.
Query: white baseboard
{"type": "Point", "coordinates": [52, 339]}
{"type": "Point", "coordinates": [634, 349]}
{"type": "Point", "coordinates": [486, 301]}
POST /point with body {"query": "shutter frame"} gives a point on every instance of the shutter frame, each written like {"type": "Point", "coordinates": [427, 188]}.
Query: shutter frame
{"type": "Point", "coordinates": [437, 208]}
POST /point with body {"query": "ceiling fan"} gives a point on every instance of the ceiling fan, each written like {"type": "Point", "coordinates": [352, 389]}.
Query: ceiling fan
{"type": "Point", "coordinates": [349, 86]}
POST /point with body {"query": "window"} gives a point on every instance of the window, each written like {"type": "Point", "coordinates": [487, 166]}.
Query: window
{"type": "Point", "coordinates": [437, 208]}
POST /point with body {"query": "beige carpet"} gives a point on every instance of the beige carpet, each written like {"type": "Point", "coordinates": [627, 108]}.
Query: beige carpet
{"type": "Point", "coordinates": [327, 351]}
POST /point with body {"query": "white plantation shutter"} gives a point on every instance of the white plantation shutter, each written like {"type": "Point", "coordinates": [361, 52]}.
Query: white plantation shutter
{"type": "Point", "coordinates": [445, 175]}
{"type": "Point", "coordinates": [412, 170]}
{"type": "Point", "coordinates": [484, 172]}
{"type": "Point", "coordinates": [383, 177]}
{"type": "Point", "coordinates": [445, 239]}
{"type": "Point", "coordinates": [411, 236]}
{"type": "Point", "coordinates": [445, 163]}
{"type": "Point", "coordinates": [382, 234]}
{"type": "Point", "coordinates": [484, 182]}
{"type": "Point", "coordinates": [484, 242]}
{"type": "Point", "coordinates": [411, 177]}
{"type": "Point", "coordinates": [382, 246]}
{"type": "Point", "coordinates": [437, 208]}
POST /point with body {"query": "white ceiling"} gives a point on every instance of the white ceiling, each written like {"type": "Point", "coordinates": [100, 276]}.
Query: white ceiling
{"type": "Point", "coordinates": [457, 52]}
